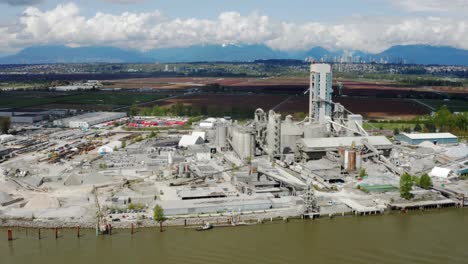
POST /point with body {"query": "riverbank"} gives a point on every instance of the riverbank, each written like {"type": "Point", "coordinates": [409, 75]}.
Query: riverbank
{"type": "Point", "coordinates": [181, 221]}
{"type": "Point", "coordinates": [430, 237]}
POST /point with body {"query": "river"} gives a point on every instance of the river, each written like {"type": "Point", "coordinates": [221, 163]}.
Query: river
{"type": "Point", "coordinates": [416, 237]}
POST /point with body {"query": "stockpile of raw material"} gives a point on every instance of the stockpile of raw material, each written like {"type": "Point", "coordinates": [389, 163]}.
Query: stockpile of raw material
{"type": "Point", "coordinates": [457, 152]}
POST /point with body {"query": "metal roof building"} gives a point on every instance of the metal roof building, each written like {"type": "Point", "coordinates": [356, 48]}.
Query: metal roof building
{"type": "Point", "coordinates": [89, 119]}
{"type": "Point", "coordinates": [439, 138]}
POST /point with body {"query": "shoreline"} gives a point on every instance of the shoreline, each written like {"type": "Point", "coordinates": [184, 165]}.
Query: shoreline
{"type": "Point", "coordinates": [216, 221]}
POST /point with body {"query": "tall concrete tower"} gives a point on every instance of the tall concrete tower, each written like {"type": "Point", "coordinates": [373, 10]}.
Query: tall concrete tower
{"type": "Point", "coordinates": [320, 92]}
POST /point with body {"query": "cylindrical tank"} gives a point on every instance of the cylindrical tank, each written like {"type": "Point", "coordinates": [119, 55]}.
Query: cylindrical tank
{"type": "Point", "coordinates": [345, 159]}
{"type": "Point", "coordinates": [351, 160]}
{"type": "Point", "coordinates": [341, 153]}
{"type": "Point", "coordinates": [221, 134]}
{"type": "Point", "coordinates": [358, 160]}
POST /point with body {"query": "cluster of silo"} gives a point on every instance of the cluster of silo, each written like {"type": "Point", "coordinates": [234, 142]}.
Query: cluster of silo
{"type": "Point", "coordinates": [243, 142]}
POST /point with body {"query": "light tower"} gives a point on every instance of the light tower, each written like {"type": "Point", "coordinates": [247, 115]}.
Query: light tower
{"type": "Point", "coordinates": [320, 92]}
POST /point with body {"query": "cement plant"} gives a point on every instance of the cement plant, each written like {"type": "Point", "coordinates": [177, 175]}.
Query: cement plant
{"type": "Point", "coordinates": [91, 169]}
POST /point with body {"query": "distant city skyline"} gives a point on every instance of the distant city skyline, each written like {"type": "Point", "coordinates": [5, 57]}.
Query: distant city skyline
{"type": "Point", "coordinates": [368, 25]}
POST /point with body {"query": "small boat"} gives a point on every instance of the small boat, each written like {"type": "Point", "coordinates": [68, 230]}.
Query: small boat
{"type": "Point", "coordinates": [205, 227]}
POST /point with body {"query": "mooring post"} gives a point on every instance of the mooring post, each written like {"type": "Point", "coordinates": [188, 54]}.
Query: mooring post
{"type": "Point", "coordinates": [185, 222]}
{"type": "Point", "coordinates": [78, 231]}
{"type": "Point", "coordinates": [110, 230]}
{"type": "Point", "coordinates": [56, 233]}
{"type": "Point", "coordinates": [132, 228]}
{"type": "Point", "coordinates": [39, 233]}
{"type": "Point", "coordinates": [10, 235]}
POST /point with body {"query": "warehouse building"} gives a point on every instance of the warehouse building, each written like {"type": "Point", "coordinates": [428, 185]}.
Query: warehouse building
{"type": "Point", "coordinates": [436, 138]}
{"type": "Point", "coordinates": [89, 119]}
{"type": "Point", "coordinates": [24, 116]}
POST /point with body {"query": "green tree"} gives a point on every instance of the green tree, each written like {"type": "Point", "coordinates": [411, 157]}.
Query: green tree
{"type": "Point", "coordinates": [417, 128]}
{"type": "Point", "coordinates": [406, 184]}
{"type": "Point", "coordinates": [146, 111]}
{"type": "Point", "coordinates": [5, 123]}
{"type": "Point", "coordinates": [425, 181]}
{"type": "Point", "coordinates": [179, 109]}
{"type": "Point", "coordinates": [443, 118]}
{"type": "Point", "coordinates": [133, 109]}
{"type": "Point", "coordinates": [152, 134]}
{"type": "Point", "coordinates": [124, 144]}
{"type": "Point", "coordinates": [158, 111]}
{"type": "Point", "coordinates": [362, 172]}
{"type": "Point", "coordinates": [158, 214]}
{"type": "Point", "coordinates": [396, 131]}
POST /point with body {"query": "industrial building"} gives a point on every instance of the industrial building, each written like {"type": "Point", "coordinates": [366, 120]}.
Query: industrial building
{"type": "Point", "coordinates": [31, 115]}
{"type": "Point", "coordinates": [87, 120]}
{"type": "Point", "coordinates": [436, 138]}
{"type": "Point", "coordinates": [25, 116]}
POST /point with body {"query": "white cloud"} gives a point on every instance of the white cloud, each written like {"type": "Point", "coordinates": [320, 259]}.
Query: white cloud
{"type": "Point", "coordinates": [65, 25]}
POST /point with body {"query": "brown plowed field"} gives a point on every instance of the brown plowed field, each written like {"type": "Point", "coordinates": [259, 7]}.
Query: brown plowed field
{"type": "Point", "coordinates": [228, 101]}
{"type": "Point", "coordinates": [368, 107]}
{"type": "Point", "coordinates": [185, 82]}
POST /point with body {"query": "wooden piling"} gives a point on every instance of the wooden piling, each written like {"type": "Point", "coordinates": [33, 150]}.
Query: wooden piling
{"type": "Point", "coordinates": [39, 233]}
{"type": "Point", "coordinates": [78, 231]}
{"type": "Point", "coordinates": [110, 230]}
{"type": "Point", "coordinates": [10, 235]}
{"type": "Point", "coordinates": [56, 233]}
{"type": "Point", "coordinates": [132, 228]}
{"type": "Point", "coordinates": [185, 222]}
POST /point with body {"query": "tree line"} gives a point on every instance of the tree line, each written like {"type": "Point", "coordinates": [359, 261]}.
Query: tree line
{"type": "Point", "coordinates": [441, 121]}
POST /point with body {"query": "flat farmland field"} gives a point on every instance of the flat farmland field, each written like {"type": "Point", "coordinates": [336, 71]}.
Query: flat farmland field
{"type": "Point", "coordinates": [188, 82]}
{"type": "Point", "coordinates": [378, 108]}
{"type": "Point", "coordinates": [85, 100]}
{"type": "Point", "coordinates": [388, 89]}
{"type": "Point", "coordinates": [228, 101]}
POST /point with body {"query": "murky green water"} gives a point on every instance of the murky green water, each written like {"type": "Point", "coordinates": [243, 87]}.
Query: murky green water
{"type": "Point", "coordinates": [421, 237]}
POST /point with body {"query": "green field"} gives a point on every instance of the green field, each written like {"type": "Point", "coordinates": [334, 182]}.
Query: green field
{"type": "Point", "coordinates": [453, 105]}
{"type": "Point", "coordinates": [388, 126]}
{"type": "Point", "coordinates": [89, 99]}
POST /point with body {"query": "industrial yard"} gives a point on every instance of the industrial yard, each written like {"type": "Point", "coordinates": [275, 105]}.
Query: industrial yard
{"type": "Point", "coordinates": [94, 168]}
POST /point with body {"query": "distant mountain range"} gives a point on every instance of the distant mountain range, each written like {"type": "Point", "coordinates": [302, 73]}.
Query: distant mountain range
{"type": "Point", "coordinates": [417, 54]}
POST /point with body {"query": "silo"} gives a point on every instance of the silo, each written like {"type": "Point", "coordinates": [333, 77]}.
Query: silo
{"type": "Point", "coordinates": [243, 143]}
{"type": "Point", "coordinates": [358, 160]}
{"type": "Point", "coordinates": [345, 159]}
{"type": "Point", "coordinates": [351, 160]}
{"type": "Point", "coordinates": [221, 134]}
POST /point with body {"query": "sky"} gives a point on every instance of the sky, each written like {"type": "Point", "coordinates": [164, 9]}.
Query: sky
{"type": "Point", "coordinates": [367, 25]}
